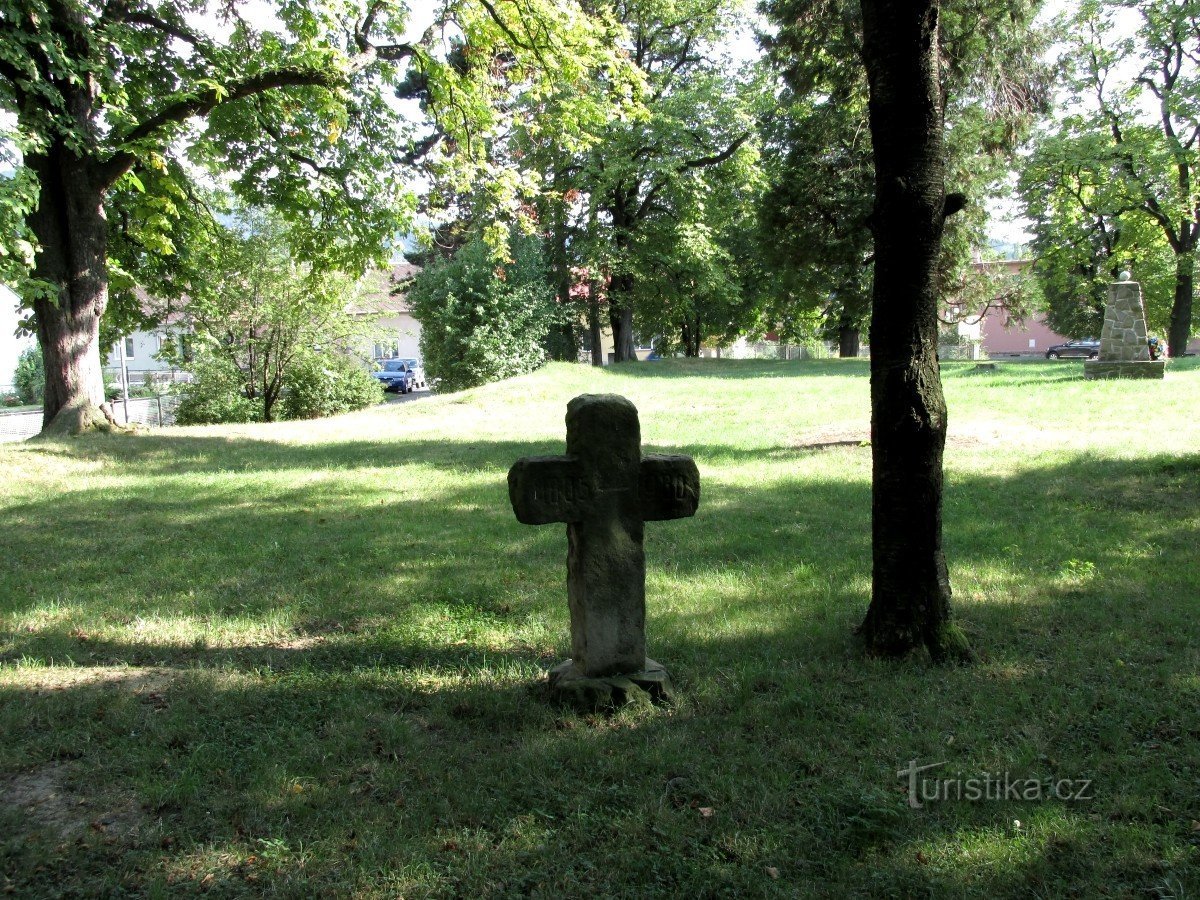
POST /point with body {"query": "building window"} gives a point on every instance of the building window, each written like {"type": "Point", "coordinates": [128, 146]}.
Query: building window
{"type": "Point", "coordinates": [387, 349]}
{"type": "Point", "coordinates": [129, 346]}
{"type": "Point", "coordinates": [641, 343]}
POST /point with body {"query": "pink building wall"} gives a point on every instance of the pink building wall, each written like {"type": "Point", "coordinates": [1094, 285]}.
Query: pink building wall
{"type": "Point", "coordinates": [1001, 336]}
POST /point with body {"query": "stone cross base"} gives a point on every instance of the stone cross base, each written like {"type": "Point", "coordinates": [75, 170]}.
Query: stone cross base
{"type": "Point", "coordinates": [1094, 369]}
{"type": "Point", "coordinates": [569, 685]}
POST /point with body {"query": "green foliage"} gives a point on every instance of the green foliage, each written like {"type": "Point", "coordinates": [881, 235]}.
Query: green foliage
{"type": "Point", "coordinates": [326, 385]}
{"type": "Point", "coordinates": [29, 378]}
{"type": "Point", "coordinates": [1113, 184]}
{"type": "Point", "coordinates": [612, 202]}
{"type": "Point", "coordinates": [482, 321]}
{"type": "Point", "coordinates": [150, 97]}
{"type": "Point", "coordinates": [265, 312]}
{"type": "Point", "coordinates": [1086, 231]}
{"type": "Point", "coordinates": [217, 395]}
{"type": "Point", "coordinates": [814, 221]}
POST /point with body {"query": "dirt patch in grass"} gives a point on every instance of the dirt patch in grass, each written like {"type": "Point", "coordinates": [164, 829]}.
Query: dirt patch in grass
{"type": "Point", "coordinates": [141, 680]}
{"type": "Point", "coordinates": [965, 436]}
{"type": "Point", "coordinates": [51, 798]}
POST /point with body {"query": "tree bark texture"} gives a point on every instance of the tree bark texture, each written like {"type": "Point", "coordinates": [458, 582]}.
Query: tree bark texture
{"type": "Point", "coordinates": [71, 264]}
{"type": "Point", "coordinates": [848, 341]}
{"type": "Point", "coordinates": [1180, 327]}
{"type": "Point", "coordinates": [594, 331]}
{"type": "Point", "coordinates": [910, 601]}
{"type": "Point", "coordinates": [620, 317]}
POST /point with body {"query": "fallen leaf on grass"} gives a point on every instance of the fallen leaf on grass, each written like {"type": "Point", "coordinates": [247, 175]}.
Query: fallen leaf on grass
{"type": "Point", "coordinates": [706, 812]}
{"type": "Point", "coordinates": [772, 872]}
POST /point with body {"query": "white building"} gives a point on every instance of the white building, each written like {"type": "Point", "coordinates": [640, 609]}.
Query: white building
{"type": "Point", "coordinates": [11, 346]}
{"type": "Point", "coordinates": [395, 334]}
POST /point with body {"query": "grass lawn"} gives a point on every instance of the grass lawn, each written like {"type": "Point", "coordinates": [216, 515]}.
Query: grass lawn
{"type": "Point", "coordinates": [307, 659]}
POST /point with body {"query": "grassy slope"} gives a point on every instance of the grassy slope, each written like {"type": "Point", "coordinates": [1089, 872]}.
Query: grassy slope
{"type": "Point", "coordinates": [347, 627]}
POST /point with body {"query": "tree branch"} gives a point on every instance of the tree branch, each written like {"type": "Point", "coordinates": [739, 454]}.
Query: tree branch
{"type": "Point", "coordinates": [716, 158]}
{"type": "Point", "coordinates": [204, 102]}
{"type": "Point", "coordinates": [173, 29]}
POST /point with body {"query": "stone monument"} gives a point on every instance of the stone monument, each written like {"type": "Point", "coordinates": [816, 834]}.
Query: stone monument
{"type": "Point", "coordinates": [1124, 352]}
{"type": "Point", "coordinates": [605, 490]}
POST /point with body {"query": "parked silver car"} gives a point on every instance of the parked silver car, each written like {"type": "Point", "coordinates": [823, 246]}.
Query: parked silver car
{"type": "Point", "coordinates": [417, 370]}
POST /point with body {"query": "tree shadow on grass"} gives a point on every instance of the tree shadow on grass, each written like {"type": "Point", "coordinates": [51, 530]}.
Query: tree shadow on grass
{"type": "Point", "coordinates": [387, 716]}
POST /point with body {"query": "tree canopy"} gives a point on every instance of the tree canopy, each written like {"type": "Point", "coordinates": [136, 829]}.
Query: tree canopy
{"type": "Point", "coordinates": [119, 106]}
{"type": "Point", "coordinates": [1115, 183]}
{"type": "Point", "coordinates": [816, 213]}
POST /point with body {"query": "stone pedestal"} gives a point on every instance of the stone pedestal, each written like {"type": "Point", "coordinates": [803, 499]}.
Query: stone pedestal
{"type": "Point", "coordinates": [569, 685]}
{"type": "Point", "coordinates": [1124, 352]}
{"type": "Point", "coordinates": [1098, 369]}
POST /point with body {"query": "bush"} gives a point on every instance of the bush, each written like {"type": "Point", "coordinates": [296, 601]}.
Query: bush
{"type": "Point", "coordinates": [326, 386]}
{"type": "Point", "coordinates": [216, 395]}
{"type": "Point", "coordinates": [481, 322]}
{"type": "Point", "coordinates": [30, 376]}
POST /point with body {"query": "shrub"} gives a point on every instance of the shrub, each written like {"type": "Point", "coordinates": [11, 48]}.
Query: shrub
{"type": "Point", "coordinates": [30, 376]}
{"type": "Point", "coordinates": [328, 385]}
{"type": "Point", "coordinates": [481, 322]}
{"type": "Point", "coordinates": [216, 395]}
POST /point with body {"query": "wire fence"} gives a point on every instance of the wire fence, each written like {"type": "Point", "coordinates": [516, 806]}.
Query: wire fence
{"type": "Point", "coordinates": [154, 412]}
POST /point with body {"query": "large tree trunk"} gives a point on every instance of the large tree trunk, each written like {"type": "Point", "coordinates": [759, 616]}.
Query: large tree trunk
{"type": "Point", "coordinates": [848, 340]}
{"type": "Point", "coordinates": [594, 330]}
{"type": "Point", "coordinates": [1181, 309]}
{"type": "Point", "coordinates": [620, 317]}
{"type": "Point", "coordinates": [71, 264]}
{"type": "Point", "coordinates": [910, 598]}
{"type": "Point", "coordinates": [690, 333]}
{"type": "Point", "coordinates": [562, 343]}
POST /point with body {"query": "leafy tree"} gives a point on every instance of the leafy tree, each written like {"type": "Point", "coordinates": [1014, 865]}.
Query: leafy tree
{"type": "Point", "coordinates": [482, 320]}
{"type": "Point", "coordinates": [217, 395]}
{"type": "Point", "coordinates": [650, 170]}
{"type": "Point", "coordinates": [816, 216]}
{"type": "Point", "coordinates": [949, 89]}
{"type": "Point", "coordinates": [1086, 230]}
{"type": "Point", "coordinates": [1127, 156]}
{"type": "Point", "coordinates": [29, 378]}
{"type": "Point", "coordinates": [117, 103]}
{"type": "Point", "coordinates": [265, 314]}
{"type": "Point", "coordinates": [696, 272]}
{"type": "Point", "coordinates": [814, 219]}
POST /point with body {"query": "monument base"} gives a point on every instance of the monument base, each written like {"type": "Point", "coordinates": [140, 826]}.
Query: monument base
{"type": "Point", "coordinates": [569, 685]}
{"type": "Point", "coordinates": [1094, 369]}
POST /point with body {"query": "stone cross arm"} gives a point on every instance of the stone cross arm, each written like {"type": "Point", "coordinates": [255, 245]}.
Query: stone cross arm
{"type": "Point", "coordinates": [545, 489]}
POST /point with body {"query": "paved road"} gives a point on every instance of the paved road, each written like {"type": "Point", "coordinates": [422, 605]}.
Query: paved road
{"type": "Point", "coordinates": [418, 394]}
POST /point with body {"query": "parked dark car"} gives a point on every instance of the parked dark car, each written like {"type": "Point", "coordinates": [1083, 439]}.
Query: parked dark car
{"type": "Point", "coordinates": [396, 375]}
{"type": "Point", "coordinates": [1086, 348]}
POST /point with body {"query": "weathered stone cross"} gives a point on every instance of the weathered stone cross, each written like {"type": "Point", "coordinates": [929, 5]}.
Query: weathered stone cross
{"type": "Point", "coordinates": [604, 489]}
